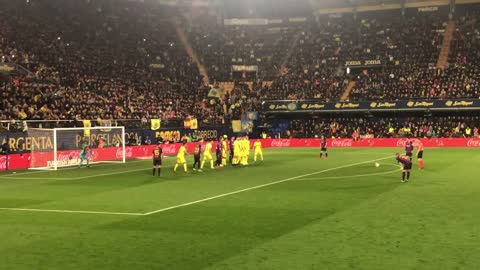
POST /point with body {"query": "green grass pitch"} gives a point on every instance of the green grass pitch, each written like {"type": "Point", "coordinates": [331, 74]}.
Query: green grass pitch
{"type": "Point", "coordinates": [291, 211]}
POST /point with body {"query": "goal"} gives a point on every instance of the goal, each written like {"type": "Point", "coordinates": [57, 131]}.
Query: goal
{"type": "Point", "coordinates": [60, 147]}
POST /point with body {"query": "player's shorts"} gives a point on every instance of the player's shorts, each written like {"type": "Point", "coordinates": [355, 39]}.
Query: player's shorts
{"type": "Point", "coordinates": [196, 158]}
{"type": "Point", "coordinates": [407, 166]}
{"type": "Point", "coordinates": [323, 149]}
{"type": "Point", "coordinates": [409, 154]}
{"type": "Point", "coordinates": [258, 152]}
{"type": "Point", "coordinates": [157, 162]}
{"type": "Point", "coordinates": [82, 157]}
{"type": "Point", "coordinates": [181, 160]}
{"type": "Point", "coordinates": [207, 157]}
{"type": "Point", "coordinates": [420, 154]}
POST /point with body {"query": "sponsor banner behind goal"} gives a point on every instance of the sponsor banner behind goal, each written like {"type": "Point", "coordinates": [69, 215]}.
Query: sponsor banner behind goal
{"type": "Point", "coordinates": [17, 161]}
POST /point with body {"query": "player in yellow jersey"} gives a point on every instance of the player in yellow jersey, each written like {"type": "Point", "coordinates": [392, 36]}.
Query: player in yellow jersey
{"type": "Point", "coordinates": [181, 158]}
{"type": "Point", "coordinates": [247, 149]}
{"type": "Point", "coordinates": [257, 146]}
{"type": "Point", "coordinates": [207, 155]}
{"type": "Point", "coordinates": [244, 145]}
{"type": "Point", "coordinates": [236, 152]}
{"type": "Point", "coordinates": [224, 151]}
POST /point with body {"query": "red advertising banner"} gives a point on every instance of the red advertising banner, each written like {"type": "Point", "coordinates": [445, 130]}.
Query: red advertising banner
{"type": "Point", "coordinates": [377, 142]}
{"type": "Point", "coordinates": [17, 161]}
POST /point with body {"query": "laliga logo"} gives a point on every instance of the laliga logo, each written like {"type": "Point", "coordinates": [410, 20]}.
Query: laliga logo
{"type": "Point", "coordinates": [342, 143]}
{"type": "Point", "coordinates": [473, 143]}
{"type": "Point", "coordinates": [280, 143]}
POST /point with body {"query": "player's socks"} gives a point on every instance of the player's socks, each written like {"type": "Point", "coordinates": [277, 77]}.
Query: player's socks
{"type": "Point", "coordinates": [321, 154]}
{"type": "Point", "coordinates": [211, 164]}
{"type": "Point", "coordinates": [203, 163]}
{"type": "Point", "coordinates": [420, 163]}
{"type": "Point", "coordinates": [403, 176]}
{"type": "Point", "coordinates": [326, 155]}
{"type": "Point", "coordinates": [185, 167]}
{"type": "Point", "coordinates": [175, 168]}
{"type": "Point", "coordinates": [408, 176]}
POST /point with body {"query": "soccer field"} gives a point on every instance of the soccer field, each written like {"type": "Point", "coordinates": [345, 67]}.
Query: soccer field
{"type": "Point", "coordinates": [291, 211]}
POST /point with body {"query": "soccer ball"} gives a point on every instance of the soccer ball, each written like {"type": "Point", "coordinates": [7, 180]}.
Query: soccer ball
{"type": "Point", "coordinates": [377, 165]}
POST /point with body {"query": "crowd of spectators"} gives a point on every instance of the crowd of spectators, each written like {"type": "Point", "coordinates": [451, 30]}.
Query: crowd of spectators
{"type": "Point", "coordinates": [385, 127]}
{"type": "Point", "coordinates": [124, 60]}
{"type": "Point", "coordinates": [220, 47]}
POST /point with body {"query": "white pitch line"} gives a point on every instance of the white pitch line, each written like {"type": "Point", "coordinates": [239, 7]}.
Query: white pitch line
{"type": "Point", "coordinates": [260, 186]}
{"type": "Point", "coordinates": [62, 169]}
{"type": "Point", "coordinates": [76, 178]}
{"type": "Point", "coordinates": [350, 176]}
{"type": "Point", "coordinates": [194, 202]}
{"type": "Point", "coordinates": [72, 211]}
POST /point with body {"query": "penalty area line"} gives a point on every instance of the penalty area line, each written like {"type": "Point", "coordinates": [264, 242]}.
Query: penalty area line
{"type": "Point", "coordinates": [349, 176]}
{"type": "Point", "coordinates": [353, 176]}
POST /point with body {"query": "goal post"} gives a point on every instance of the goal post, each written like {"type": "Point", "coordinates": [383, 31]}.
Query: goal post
{"type": "Point", "coordinates": [60, 147]}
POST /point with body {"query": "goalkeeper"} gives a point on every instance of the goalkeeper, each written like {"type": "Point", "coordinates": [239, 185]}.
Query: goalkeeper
{"type": "Point", "coordinates": [83, 156]}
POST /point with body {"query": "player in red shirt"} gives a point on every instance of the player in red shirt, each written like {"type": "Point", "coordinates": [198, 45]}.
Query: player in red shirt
{"type": "Point", "coordinates": [420, 154]}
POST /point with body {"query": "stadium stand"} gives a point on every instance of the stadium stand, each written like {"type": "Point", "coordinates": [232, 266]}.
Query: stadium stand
{"type": "Point", "coordinates": [95, 60]}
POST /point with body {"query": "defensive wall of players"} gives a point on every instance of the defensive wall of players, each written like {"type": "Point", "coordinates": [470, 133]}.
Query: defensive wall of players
{"type": "Point", "coordinates": [17, 161]}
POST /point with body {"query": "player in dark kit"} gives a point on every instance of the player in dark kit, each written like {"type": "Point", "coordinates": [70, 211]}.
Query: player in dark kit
{"type": "Point", "coordinates": [196, 155]}
{"type": "Point", "coordinates": [406, 166]}
{"type": "Point", "coordinates": [323, 147]}
{"type": "Point", "coordinates": [409, 148]}
{"type": "Point", "coordinates": [218, 152]}
{"type": "Point", "coordinates": [230, 146]}
{"type": "Point", "coordinates": [157, 159]}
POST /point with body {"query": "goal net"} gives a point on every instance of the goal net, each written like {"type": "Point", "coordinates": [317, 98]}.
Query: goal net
{"type": "Point", "coordinates": [60, 147]}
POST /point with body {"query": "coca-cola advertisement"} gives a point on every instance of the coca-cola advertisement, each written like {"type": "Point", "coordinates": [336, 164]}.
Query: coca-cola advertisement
{"type": "Point", "coordinates": [3, 162]}
{"type": "Point", "coordinates": [473, 142]}
{"type": "Point", "coordinates": [342, 143]}
{"type": "Point", "coordinates": [281, 143]}
{"type": "Point", "coordinates": [170, 149]}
